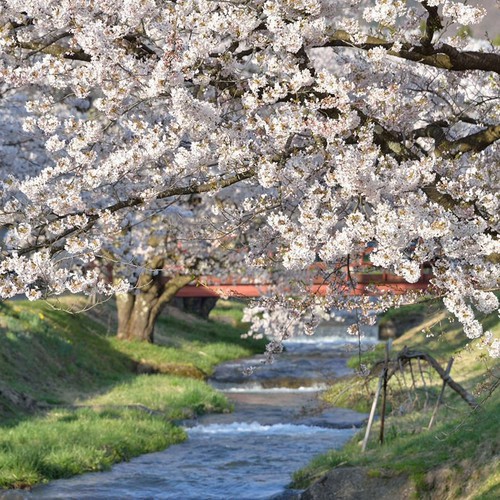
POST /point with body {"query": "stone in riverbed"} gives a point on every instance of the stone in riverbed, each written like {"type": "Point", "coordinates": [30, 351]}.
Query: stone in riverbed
{"type": "Point", "coordinates": [337, 418]}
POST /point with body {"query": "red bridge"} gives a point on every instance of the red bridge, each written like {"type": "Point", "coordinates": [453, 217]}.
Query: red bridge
{"type": "Point", "coordinates": [365, 279]}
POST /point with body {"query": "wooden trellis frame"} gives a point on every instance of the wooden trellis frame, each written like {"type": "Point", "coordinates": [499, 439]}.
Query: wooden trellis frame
{"type": "Point", "coordinates": [391, 367]}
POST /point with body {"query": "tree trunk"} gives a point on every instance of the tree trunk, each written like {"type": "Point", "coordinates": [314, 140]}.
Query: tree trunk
{"type": "Point", "coordinates": [138, 311]}
{"type": "Point", "coordinates": [136, 318]}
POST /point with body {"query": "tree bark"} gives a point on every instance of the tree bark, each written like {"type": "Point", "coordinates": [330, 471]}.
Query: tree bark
{"type": "Point", "coordinates": [139, 310]}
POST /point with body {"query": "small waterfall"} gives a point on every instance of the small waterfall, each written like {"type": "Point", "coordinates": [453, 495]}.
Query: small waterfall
{"type": "Point", "coordinates": [333, 332]}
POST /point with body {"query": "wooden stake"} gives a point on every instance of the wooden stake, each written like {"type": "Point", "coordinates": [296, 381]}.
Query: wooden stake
{"type": "Point", "coordinates": [440, 398]}
{"type": "Point", "coordinates": [384, 392]}
{"type": "Point", "coordinates": [372, 415]}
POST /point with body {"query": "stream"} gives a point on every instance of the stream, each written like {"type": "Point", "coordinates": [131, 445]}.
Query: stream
{"type": "Point", "coordinates": [277, 426]}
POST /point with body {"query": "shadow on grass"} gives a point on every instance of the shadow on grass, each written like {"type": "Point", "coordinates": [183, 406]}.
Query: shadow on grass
{"type": "Point", "coordinates": [74, 399]}
{"type": "Point", "coordinates": [51, 357]}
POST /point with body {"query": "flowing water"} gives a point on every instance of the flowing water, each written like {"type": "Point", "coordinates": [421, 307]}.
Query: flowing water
{"type": "Point", "coordinates": [277, 426]}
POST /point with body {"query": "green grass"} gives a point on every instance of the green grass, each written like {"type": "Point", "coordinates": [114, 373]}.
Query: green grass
{"type": "Point", "coordinates": [463, 442]}
{"type": "Point", "coordinates": [229, 311]}
{"type": "Point", "coordinates": [195, 343]}
{"type": "Point", "coordinates": [63, 443]}
{"type": "Point", "coordinates": [51, 355]}
{"type": "Point", "coordinates": [73, 398]}
{"type": "Point", "coordinates": [176, 397]}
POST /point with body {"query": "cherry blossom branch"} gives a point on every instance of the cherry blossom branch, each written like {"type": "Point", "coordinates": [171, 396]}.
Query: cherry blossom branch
{"type": "Point", "coordinates": [209, 186]}
{"type": "Point", "coordinates": [443, 56]}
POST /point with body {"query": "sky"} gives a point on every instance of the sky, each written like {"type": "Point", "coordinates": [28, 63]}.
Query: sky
{"type": "Point", "coordinates": [491, 22]}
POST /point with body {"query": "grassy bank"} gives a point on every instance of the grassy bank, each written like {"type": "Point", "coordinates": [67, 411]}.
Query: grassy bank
{"type": "Point", "coordinates": [459, 456]}
{"type": "Point", "coordinates": [75, 399]}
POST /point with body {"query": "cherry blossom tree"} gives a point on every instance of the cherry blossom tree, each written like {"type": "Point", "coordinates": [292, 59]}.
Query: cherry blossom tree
{"type": "Point", "coordinates": [333, 124]}
{"type": "Point", "coordinates": [149, 253]}
{"type": "Point", "coordinates": [160, 250]}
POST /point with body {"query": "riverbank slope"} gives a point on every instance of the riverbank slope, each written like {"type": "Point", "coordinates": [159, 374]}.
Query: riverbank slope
{"type": "Point", "coordinates": [74, 399]}
{"type": "Point", "coordinates": [458, 457]}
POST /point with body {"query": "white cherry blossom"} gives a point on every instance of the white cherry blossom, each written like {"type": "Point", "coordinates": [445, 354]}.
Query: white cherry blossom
{"type": "Point", "coordinates": [286, 136]}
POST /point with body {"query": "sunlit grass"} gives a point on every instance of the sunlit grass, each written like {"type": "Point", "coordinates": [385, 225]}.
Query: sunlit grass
{"type": "Point", "coordinates": [205, 346]}
{"type": "Point", "coordinates": [229, 311]}
{"type": "Point", "coordinates": [460, 437]}
{"type": "Point", "coordinates": [64, 443]}
{"type": "Point", "coordinates": [96, 404]}
{"type": "Point", "coordinates": [176, 397]}
{"type": "Point", "coordinates": [462, 440]}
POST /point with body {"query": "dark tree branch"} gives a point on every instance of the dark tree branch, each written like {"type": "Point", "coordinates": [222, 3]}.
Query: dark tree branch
{"type": "Point", "coordinates": [474, 142]}
{"type": "Point", "coordinates": [432, 24]}
{"type": "Point", "coordinates": [56, 50]}
{"type": "Point", "coordinates": [443, 56]}
{"type": "Point", "coordinates": [469, 59]}
{"type": "Point", "coordinates": [47, 44]}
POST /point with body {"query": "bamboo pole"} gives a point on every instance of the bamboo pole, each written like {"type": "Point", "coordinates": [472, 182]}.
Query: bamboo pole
{"type": "Point", "coordinates": [372, 415]}
{"type": "Point", "coordinates": [407, 355]}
